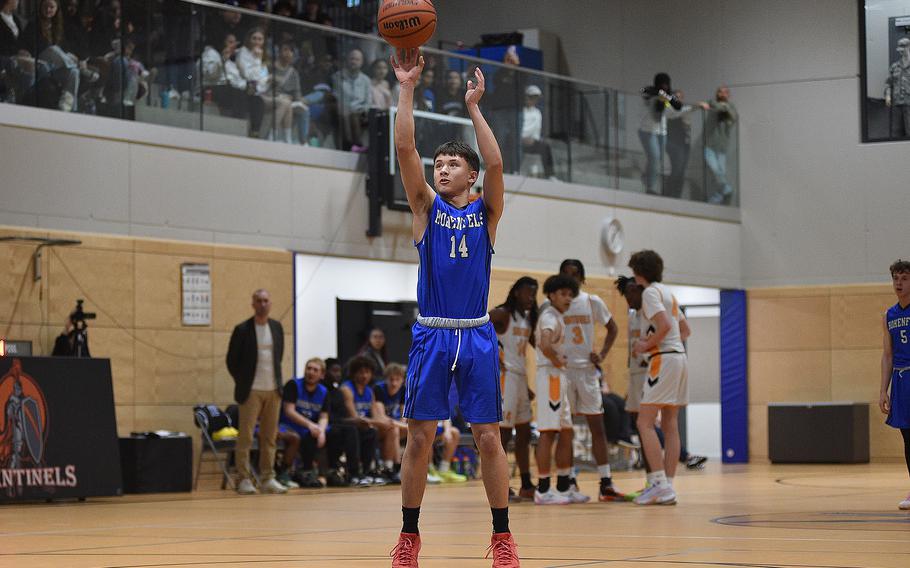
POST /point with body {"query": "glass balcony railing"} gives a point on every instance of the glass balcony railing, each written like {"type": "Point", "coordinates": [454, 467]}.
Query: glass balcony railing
{"type": "Point", "coordinates": [207, 66]}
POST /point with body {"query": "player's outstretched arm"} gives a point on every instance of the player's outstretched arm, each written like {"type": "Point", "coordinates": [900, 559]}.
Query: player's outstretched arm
{"type": "Point", "coordinates": [408, 64]}
{"type": "Point", "coordinates": [493, 185]}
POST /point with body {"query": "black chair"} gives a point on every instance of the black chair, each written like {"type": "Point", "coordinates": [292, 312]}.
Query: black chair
{"type": "Point", "coordinates": [222, 450]}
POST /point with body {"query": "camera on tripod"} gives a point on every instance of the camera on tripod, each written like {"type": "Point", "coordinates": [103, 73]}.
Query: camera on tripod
{"type": "Point", "coordinates": [79, 315]}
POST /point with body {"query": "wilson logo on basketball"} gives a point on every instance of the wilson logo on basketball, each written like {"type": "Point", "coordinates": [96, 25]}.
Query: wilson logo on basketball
{"type": "Point", "coordinates": [402, 24]}
{"type": "Point", "coordinates": [23, 436]}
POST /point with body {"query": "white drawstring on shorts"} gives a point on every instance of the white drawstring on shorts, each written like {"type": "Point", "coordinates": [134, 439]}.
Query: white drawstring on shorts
{"type": "Point", "coordinates": [457, 349]}
{"type": "Point", "coordinates": [900, 371]}
{"type": "Point", "coordinates": [456, 324]}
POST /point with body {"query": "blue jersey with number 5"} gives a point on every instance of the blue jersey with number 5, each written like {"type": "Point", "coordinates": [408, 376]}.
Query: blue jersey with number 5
{"type": "Point", "coordinates": [899, 328]}
{"type": "Point", "coordinates": [455, 259]}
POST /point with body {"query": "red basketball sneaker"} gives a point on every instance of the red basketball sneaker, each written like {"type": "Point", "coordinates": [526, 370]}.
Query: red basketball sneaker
{"type": "Point", "coordinates": [404, 555]}
{"type": "Point", "coordinates": [504, 550]}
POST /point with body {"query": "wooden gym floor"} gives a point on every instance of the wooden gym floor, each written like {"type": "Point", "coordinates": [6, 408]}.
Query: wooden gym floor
{"type": "Point", "coordinates": [756, 515]}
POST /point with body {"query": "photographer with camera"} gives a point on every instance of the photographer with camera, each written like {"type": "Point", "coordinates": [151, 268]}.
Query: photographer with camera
{"type": "Point", "coordinates": [73, 342]}
{"type": "Point", "coordinates": [658, 99]}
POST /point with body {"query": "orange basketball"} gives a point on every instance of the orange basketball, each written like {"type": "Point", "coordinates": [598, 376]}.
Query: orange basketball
{"type": "Point", "coordinates": [407, 24]}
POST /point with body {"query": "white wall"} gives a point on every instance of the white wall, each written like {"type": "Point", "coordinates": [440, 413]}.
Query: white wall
{"type": "Point", "coordinates": [817, 206]}
{"type": "Point", "coordinates": [119, 177]}
{"type": "Point", "coordinates": [319, 281]}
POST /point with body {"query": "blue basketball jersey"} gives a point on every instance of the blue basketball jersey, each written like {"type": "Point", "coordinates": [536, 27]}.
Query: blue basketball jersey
{"type": "Point", "coordinates": [310, 404]}
{"type": "Point", "coordinates": [455, 259]}
{"type": "Point", "coordinates": [394, 405]}
{"type": "Point", "coordinates": [899, 328]}
{"type": "Point", "coordinates": [362, 402]}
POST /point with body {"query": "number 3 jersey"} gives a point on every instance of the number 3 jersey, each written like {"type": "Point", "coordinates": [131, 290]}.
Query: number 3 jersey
{"type": "Point", "coordinates": [455, 259]}
{"type": "Point", "coordinates": [586, 311]}
{"type": "Point", "coordinates": [899, 329]}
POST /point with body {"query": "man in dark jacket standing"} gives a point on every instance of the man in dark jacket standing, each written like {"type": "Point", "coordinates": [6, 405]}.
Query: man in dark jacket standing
{"type": "Point", "coordinates": [254, 361]}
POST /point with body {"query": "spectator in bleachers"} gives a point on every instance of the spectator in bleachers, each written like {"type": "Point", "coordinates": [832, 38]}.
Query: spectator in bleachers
{"type": "Point", "coordinates": [255, 71]}
{"type": "Point", "coordinates": [365, 414]}
{"type": "Point", "coordinates": [288, 97]}
{"type": "Point", "coordinates": [505, 107]}
{"type": "Point", "coordinates": [313, 12]}
{"type": "Point", "coordinates": [44, 39]}
{"type": "Point", "coordinates": [86, 37]}
{"type": "Point", "coordinates": [719, 125]}
{"type": "Point", "coordinates": [126, 82]}
{"type": "Point", "coordinates": [382, 91]}
{"type": "Point", "coordinates": [305, 410]}
{"type": "Point", "coordinates": [390, 400]}
{"type": "Point", "coordinates": [316, 84]}
{"type": "Point", "coordinates": [425, 95]}
{"type": "Point", "coordinates": [230, 22]}
{"type": "Point", "coordinates": [353, 90]}
{"type": "Point", "coordinates": [15, 63]}
{"type": "Point", "coordinates": [374, 349]}
{"type": "Point", "coordinates": [451, 98]}
{"type": "Point", "coordinates": [532, 141]}
{"type": "Point", "coordinates": [221, 74]}
{"type": "Point", "coordinates": [72, 10]}
{"type": "Point", "coordinates": [652, 130]}
{"type": "Point", "coordinates": [679, 143]}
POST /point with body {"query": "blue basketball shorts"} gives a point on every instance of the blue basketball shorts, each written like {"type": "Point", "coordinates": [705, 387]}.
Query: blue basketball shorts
{"type": "Point", "coordinates": [438, 362]}
{"type": "Point", "coordinates": [899, 417]}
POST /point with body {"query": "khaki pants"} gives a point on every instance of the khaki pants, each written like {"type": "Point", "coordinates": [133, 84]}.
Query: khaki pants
{"type": "Point", "coordinates": [264, 406]}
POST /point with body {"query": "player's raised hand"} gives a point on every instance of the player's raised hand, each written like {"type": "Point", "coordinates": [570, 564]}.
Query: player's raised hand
{"type": "Point", "coordinates": [475, 89]}
{"type": "Point", "coordinates": [408, 65]}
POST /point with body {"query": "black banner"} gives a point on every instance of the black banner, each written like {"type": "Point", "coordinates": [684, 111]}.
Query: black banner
{"type": "Point", "coordinates": [58, 432]}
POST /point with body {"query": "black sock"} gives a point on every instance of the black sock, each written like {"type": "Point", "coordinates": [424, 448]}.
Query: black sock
{"type": "Point", "coordinates": [500, 520]}
{"type": "Point", "coordinates": [410, 517]}
{"type": "Point", "coordinates": [543, 484]}
{"type": "Point", "coordinates": [526, 481]}
{"type": "Point", "coordinates": [563, 482]}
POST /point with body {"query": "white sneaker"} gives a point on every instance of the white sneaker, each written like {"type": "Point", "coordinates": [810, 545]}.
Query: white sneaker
{"type": "Point", "coordinates": [433, 479]}
{"type": "Point", "coordinates": [574, 495]}
{"type": "Point", "coordinates": [905, 504]}
{"type": "Point", "coordinates": [246, 487]}
{"type": "Point", "coordinates": [551, 497]}
{"type": "Point", "coordinates": [657, 495]}
{"type": "Point", "coordinates": [272, 486]}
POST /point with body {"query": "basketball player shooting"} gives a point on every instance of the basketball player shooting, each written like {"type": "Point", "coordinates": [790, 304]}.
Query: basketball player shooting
{"type": "Point", "coordinates": [453, 339]}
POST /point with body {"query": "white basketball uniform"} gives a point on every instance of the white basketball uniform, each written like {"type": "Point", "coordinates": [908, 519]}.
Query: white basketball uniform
{"type": "Point", "coordinates": [516, 405]}
{"type": "Point", "coordinates": [553, 412]}
{"type": "Point", "coordinates": [666, 383]}
{"type": "Point", "coordinates": [585, 312]}
{"type": "Point", "coordinates": [638, 364]}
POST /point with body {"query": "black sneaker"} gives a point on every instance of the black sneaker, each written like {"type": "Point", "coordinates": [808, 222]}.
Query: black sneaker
{"type": "Point", "coordinates": [696, 462]}
{"type": "Point", "coordinates": [335, 479]}
{"type": "Point", "coordinates": [310, 480]}
{"type": "Point", "coordinates": [393, 477]}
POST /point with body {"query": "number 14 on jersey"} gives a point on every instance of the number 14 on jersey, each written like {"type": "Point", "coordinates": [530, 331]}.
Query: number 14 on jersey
{"type": "Point", "coordinates": [462, 247]}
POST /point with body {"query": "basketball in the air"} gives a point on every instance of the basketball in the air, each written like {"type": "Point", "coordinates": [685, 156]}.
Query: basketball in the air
{"type": "Point", "coordinates": [407, 24]}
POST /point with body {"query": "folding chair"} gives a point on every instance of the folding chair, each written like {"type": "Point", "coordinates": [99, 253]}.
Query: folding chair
{"type": "Point", "coordinates": [221, 450]}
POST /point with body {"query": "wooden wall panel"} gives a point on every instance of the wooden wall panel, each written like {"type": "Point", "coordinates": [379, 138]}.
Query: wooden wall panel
{"type": "Point", "coordinates": [789, 376]}
{"type": "Point", "coordinates": [807, 323]}
{"type": "Point", "coordinates": [856, 319]}
{"type": "Point", "coordinates": [791, 361]}
{"type": "Point", "coordinates": [160, 368]}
